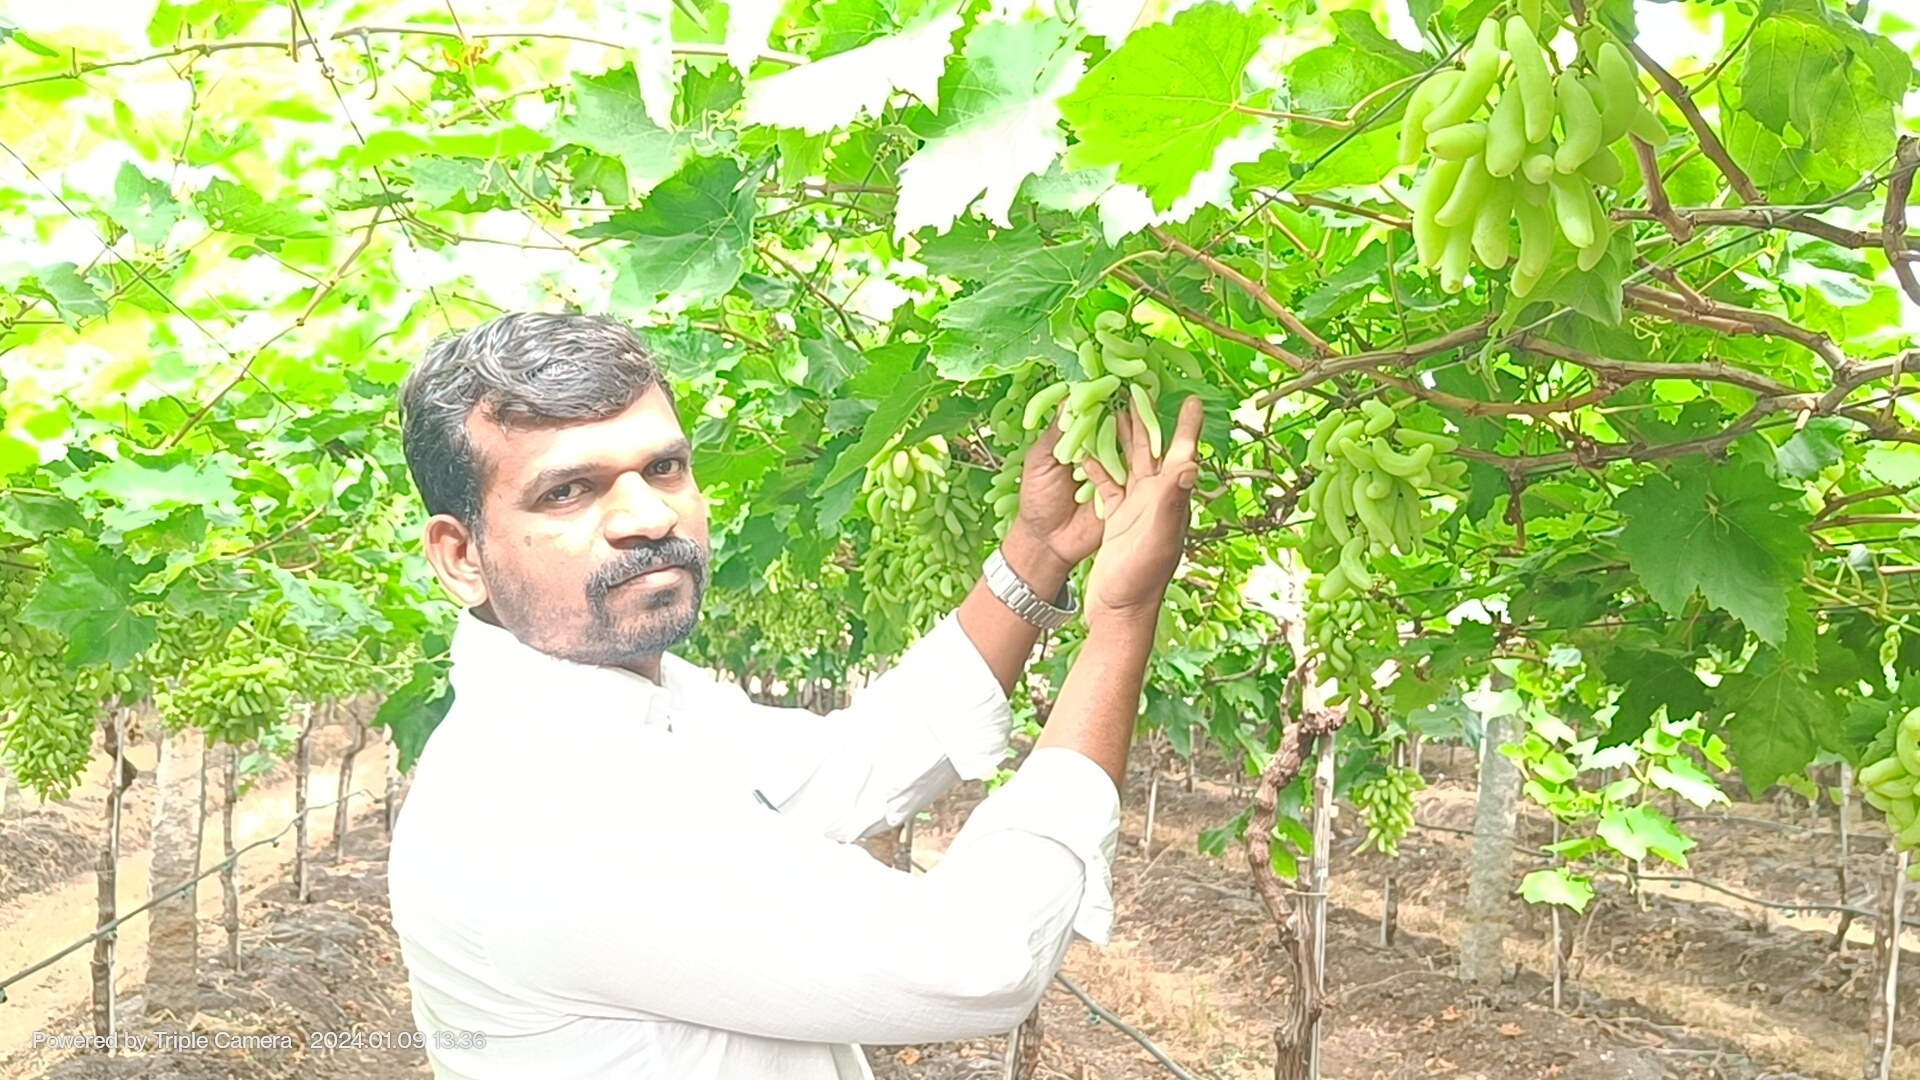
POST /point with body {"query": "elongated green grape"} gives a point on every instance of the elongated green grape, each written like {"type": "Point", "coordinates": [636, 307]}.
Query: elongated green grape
{"type": "Point", "coordinates": [1570, 209]}
{"type": "Point", "coordinates": [1604, 169]}
{"type": "Point", "coordinates": [1467, 193]}
{"type": "Point", "coordinates": [1435, 188]}
{"type": "Point", "coordinates": [1619, 97]}
{"type": "Point", "coordinates": [1481, 72]}
{"type": "Point", "coordinates": [1579, 125]}
{"type": "Point", "coordinates": [1531, 78]}
{"type": "Point", "coordinates": [1492, 227]}
{"type": "Point", "coordinates": [1506, 136]}
{"type": "Point", "coordinates": [1425, 97]}
{"type": "Point", "coordinates": [1459, 142]}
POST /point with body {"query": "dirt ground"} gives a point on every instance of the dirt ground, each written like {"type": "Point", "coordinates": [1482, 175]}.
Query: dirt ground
{"type": "Point", "coordinates": [1677, 982]}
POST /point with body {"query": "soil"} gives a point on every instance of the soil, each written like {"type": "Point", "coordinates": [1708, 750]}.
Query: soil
{"type": "Point", "coordinates": [1673, 982]}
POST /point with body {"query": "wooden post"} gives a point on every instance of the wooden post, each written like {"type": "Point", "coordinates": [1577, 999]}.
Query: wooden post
{"type": "Point", "coordinates": [229, 889]}
{"type": "Point", "coordinates": [390, 802]}
{"type": "Point", "coordinates": [1882, 1011]}
{"type": "Point", "coordinates": [1295, 1037]}
{"type": "Point", "coordinates": [1317, 906]}
{"type": "Point", "coordinates": [302, 773]}
{"type": "Point", "coordinates": [1389, 893]}
{"type": "Point", "coordinates": [1840, 868]}
{"type": "Point", "coordinates": [1023, 1049]}
{"type": "Point", "coordinates": [1153, 794]}
{"type": "Point", "coordinates": [343, 807]}
{"type": "Point", "coordinates": [106, 874]}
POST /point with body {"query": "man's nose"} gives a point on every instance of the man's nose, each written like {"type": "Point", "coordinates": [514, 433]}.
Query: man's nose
{"type": "Point", "coordinates": [636, 510]}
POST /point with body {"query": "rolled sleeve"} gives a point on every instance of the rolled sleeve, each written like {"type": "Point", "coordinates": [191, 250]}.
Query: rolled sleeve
{"type": "Point", "coordinates": [1063, 795]}
{"type": "Point", "coordinates": [954, 688]}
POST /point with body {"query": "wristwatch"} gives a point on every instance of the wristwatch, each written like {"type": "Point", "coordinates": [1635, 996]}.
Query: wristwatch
{"type": "Point", "coordinates": [1018, 596]}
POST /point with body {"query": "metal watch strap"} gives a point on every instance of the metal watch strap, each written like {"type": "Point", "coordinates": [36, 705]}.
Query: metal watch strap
{"type": "Point", "coordinates": [1023, 601]}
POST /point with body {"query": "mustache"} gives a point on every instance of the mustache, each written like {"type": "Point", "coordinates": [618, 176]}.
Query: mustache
{"type": "Point", "coordinates": [632, 562]}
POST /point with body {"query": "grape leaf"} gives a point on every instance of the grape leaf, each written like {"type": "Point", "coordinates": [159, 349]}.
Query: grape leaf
{"type": "Point", "coordinates": [1812, 448]}
{"type": "Point", "coordinates": [1650, 680]}
{"type": "Point", "coordinates": [1160, 105]}
{"type": "Point", "coordinates": [609, 118]}
{"type": "Point", "coordinates": [147, 490]}
{"type": "Point", "coordinates": [413, 711]}
{"type": "Point", "coordinates": [87, 595]}
{"type": "Point", "coordinates": [72, 297]}
{"type": "Point", "coordinates": [143, 206]}
{"type": "Point", "coordinates": [687, 241]}
{"type": "Point", "coordinates": [1005, 322]}
{"type": "Point", "coordinates": [999, 123]}
{"type": "Point", "coordinates": [1730, 533]}
{"type": "Point", "coordinates": [1556, 886]}
{"type": "Point", "coordinates": [1641, 830]}
{"type": "Point", "coordinates": [1779, 720]}
{"type": "Point", "coordinates": [915, 385]}
{"type": "Point", "coordinates": [830, 93]}
{"type": "Point", "coordinates": [1829, 81]}
{"type": "Point", "coordinates": [227, 206]}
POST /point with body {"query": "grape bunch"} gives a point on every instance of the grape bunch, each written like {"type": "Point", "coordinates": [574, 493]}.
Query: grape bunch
{"type": "Point", "coordinates": [1116, 356]}
{"type": "Point", "coordinates": [1535, 158]}
{"type": "Point", "coordinates": [923, 556]}
{"type": "Point", "coordinates": [47, 710]}
{"type": "Point", "coordinates": [1340, 631]}
{"type": "Point", "coordinates": [1386, 801]}
{"type": "Point", "coordinates": [1892, 786]}
{"type": "Point", "coordinates": [234, 684]}
{"type": "Point", "coordinates": [1370, 473]}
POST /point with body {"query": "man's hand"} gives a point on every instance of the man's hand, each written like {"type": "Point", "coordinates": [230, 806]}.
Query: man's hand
{"type": "Point", "coordinates": [1146, 520]}
{"type": "Point", "coordinates": [1070, 531]}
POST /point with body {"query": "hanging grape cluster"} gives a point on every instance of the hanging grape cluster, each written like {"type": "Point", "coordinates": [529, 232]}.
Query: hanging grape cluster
{"type": "Point", "coordinates": [1386, 802]}
{"type": "Point", "coordinates": [1892, 786]}
{"type": "Point", "coordinates": [1117, 362]}
{"type": "Point", "coordinates": [48, 711]}
{"type": "Point", "coordinates": [788, 621]}
{"type": "Point", "coordinates": [924, 554]}
{"type": "Point", "coordinates": [229, 683]}
{"type": "Point", "coordinates": [1370, 473]}
{"type": "Point", "coordinates": [1005, 423]}
{"type": "Point", "coordinates": [1341, 631]}
{"type": "Point", "coordinates": [1531, 159]}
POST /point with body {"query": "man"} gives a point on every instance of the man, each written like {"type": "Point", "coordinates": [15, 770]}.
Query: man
{"type": "Point", "coordinates": [612, 865]}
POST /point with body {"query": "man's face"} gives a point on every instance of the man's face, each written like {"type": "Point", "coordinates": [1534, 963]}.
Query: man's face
{"type": "Point", "coordinates": [593, 537]}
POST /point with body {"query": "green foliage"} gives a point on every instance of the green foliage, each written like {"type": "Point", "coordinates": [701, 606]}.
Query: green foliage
{"type": "Point", "coordinates": [1677, 511]}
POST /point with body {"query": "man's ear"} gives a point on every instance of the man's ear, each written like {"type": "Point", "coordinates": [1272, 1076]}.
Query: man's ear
{"type": "Point", "coordinates": [455, 556]}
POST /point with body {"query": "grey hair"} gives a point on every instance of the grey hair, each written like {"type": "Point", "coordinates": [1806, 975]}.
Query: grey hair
{"type": "Point", "coordinates": [522, 370]}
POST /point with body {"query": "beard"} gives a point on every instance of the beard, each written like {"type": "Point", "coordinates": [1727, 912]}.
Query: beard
{"type": "Point", "coordinates": [604, 624]}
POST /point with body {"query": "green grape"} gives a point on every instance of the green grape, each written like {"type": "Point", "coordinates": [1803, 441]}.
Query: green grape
{"type": "Point", "coordinates": [47, 709]}
{"type": "Point", "coordinates": [1493, 121]}
{"type": "Point", "coordinates": [1122, 366]}
{"type": "Point", "coordinates": [1386, 802]}
{"type": "Point", "coordinates": [1891, 785]}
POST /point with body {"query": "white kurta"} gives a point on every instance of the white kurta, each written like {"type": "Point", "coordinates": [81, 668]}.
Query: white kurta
{"type": "Point", "coordinates": [583, 875]}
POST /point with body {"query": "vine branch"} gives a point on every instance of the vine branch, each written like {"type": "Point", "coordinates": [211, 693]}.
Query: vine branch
{"type": "Point", "coordinates": [1710, 144]}
{"type": "Point", "coordinates": [1245, 284]}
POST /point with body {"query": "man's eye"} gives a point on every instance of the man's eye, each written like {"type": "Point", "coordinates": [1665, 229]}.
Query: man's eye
{"type": "Point", "coordinates": [668, 466]}
{"type": "Point", "coordinates": [564, 491]}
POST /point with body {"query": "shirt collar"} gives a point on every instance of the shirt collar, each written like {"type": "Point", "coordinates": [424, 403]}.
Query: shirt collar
{"type": "Point", "coordinates": [490, 663]}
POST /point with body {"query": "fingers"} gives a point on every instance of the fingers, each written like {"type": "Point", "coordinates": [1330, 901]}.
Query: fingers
{"type": "Point", "coordinates": [1049, 436]}
{"type": "Point", "coordinates": [1186, 432]}
{"type": "Point", "coordinates": [1133, 439]}
{"type": "Point", "coordinates": [1110, 492]}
